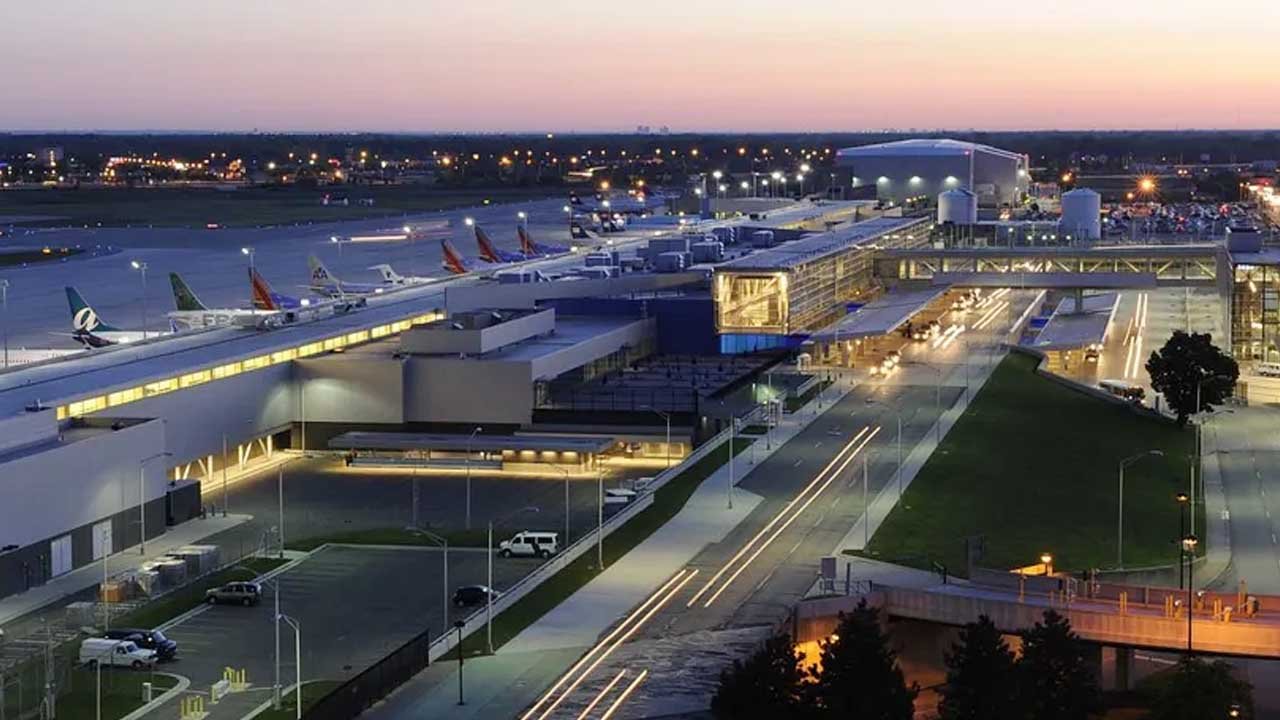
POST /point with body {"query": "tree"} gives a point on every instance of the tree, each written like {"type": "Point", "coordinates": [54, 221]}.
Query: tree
{"type": "Point", "coordinates": [979, 669]}
{"type": "Point", "coordinates": [1054, 680]}
{"type": "Point", "coordinates": [1197, 689]}
{"type": "Point", "coordinates": [1190, 368]}
{"type": "Point", "coordinates": [766, 686]}
{"type": "Point", "coordinates": [860, 677]}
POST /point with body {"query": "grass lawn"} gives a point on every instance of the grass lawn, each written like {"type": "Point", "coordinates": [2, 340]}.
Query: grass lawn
{"type": "Point", "coordinates": [667, 501]}
{"type": "Point", "coordinates": [121, 693]}
{"type": "Point", "coordinates": [179, 601]}
{"type": "Point", "coordinates": [250, 206]}
{"type": "Point", "coordinates": [311, 692]}
{"type": "Point", "coordinates": [1033, 467]}
{"type": "Point", "coordinates": [478, 537]}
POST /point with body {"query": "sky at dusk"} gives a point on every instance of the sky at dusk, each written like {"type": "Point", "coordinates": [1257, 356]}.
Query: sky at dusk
{"type": "Point", "coordinates": [566, 65]}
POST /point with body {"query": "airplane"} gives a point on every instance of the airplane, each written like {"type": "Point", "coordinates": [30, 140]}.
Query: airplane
{"type": "Point", "coordinates": [192, 313]}
{"type": "Point", "coordinates": [533, 249]}
{"type": "Point", "coordinates": [326, 283]}
{"type": "Point", "coordinates": [88, 329]}
{"type": "Point", "coordinates": [393, 278]}
{"type": "Point", "coordinates": [291, 309]}
{"type": "Point", "coordinates": [454, 262]}
{"type": "Point", "coordinates": [264, 298]}
{"type": "Point", "coordinates": [490, 253]}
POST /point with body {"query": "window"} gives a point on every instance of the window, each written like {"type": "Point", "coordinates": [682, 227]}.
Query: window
{"type": "Point", "coordinates": [195, 378]}
{"type": "Point", "coordinates": [257, 363]}
{"type": "Point", "coordinates": [160, 387]}
{"type": "Point", "coordinates": [224, 371]}
{"type": "Point", "coordinates": [124, 396]}
{"type": "Point", "coordinates": [284, 355]}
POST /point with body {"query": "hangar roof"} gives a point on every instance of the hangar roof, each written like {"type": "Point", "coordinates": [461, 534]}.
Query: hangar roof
{"type": "Point", "coordinates": [924, 147]}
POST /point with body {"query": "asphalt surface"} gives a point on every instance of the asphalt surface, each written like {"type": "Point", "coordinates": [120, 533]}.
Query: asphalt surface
{"type": "Point", "coordinates": [214, 267]}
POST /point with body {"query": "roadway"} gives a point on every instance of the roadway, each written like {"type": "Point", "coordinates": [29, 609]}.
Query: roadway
{"type": "Point", "coordinates": [741, 585]}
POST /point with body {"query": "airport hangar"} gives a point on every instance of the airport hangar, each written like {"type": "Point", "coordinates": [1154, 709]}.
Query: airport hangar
{"type": "Point", "coordinates": [925, 168]}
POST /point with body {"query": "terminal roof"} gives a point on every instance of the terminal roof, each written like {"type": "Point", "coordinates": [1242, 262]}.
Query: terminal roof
{"type": "Point", "coordinates": [815, 247]}
{"type": "Point", "coordinates": [1069, 330]}
{"type": "Point", "coordinates": [882, 315]}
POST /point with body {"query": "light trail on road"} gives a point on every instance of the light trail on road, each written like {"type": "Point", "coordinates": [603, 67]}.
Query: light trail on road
{"type": "Point", "coordinates": [777, 518]}
{"type": "Point", "coordinates": [600, 695]}
{"type": "Point", "coordinates": [625, 694]}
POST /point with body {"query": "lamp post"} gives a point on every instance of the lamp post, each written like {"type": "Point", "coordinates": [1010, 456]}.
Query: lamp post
{"type": "Point", "coordinates": [458, 624]}
{"type": "Point", "coordinates": [1189, 548]}
{"type": "Point", "coordinates": [4, 304]}
{"type": "Point", "coordinates": [443, 542]}
{"type": "Point", "coordinates": [667, 418]}
{"type": "Point", "coordinates": [249, 252]}
{"type": "Point", "coordinates": [488, 597]}
{"type": "Point", "coordinates": [565, 472]}
{"type": "Point", "coordinates": [1182, 532]}
{"type": "Point", "coordinates": [141, 267]}
{"type": "Point", "coordinates": [1120, 502]}
{"type": "Point", "coordinates": [470, 438]}
{"type": "Point", "coordinates": [599, 515]}
{"type": "Point", "coordinates": [937, 399]}
{"type": "Point", "coordinates": [297, 663]}
{"type": "Point", "coordinates": [142, 500]}
{"type": "Point", "coordinates": [1198, 473]}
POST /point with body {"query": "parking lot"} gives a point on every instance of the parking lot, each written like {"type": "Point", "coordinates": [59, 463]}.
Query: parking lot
{"type": "Point", "coordinates": [354, 605]}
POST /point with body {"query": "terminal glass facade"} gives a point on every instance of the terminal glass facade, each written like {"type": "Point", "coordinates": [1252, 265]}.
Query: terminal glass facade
{"type": "Point", "coordinates": [1255, 313]}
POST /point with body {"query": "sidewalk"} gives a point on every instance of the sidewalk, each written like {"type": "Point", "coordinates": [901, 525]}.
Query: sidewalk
{"type": "Point", "coordinates": [191, 532]}
{"type": "Point", "coordinates": [503, 684]}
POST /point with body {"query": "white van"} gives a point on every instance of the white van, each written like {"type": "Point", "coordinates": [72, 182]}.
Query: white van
{"type": "Point", "coordinates": [619, 496]}
{"type": "Point", "coordinates": [120, 653]}
{"type": "Point", "coordinates": [530, 544]}
{"type": "Point", "coordinates": [1268, 369]}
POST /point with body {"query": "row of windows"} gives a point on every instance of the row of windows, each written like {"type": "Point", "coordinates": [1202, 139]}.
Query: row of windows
{"type": "Point", "coordinates": [199, 377]}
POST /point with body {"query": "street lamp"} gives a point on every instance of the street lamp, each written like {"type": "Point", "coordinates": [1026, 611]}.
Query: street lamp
{"type": "Point", "coordinates": [297, 663]}
{"type": "Point", "coordinates": [4, 304]}
{"type": "Point", "coordinates": [142, 500]}
{"type": "Point", "coordinates": [142, 268]}
{"type": "Point", "coordinates": [1047, 560]}
{"type": "Point", "coordinates": [470, 438]}
{"type": "Point", "coordinates": [667, 418]}
{"type": "Point", "coordinates": [524, 218]}
{"type": "Point", "coordinates": [1120, 503]}
{"type": "Point", "coordinates": [1189, 549]}
{"type": "Point", "coordinates": [458, 624]}
{"type": "Point", "coordinates": [1182, 531]}
{"type": "Point", "coordinates": [249, 252]}
{"type": "Point", "coordinates": [443, 542]}
{"type": "Point", "coordinates": [1199, 469]}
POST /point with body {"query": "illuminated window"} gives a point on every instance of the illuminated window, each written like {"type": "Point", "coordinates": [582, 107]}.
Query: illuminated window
{"type": "Point", "coordinates": [284, 355]}
{"type": "Point", "coordinates": [160, 387]}
{"type": "Point", "coordinates": [62, 412]}
{"type": "Point", "coordinates": [84, 407]}
{"type": "Point", "coordinates": [358, 337]}
{"type": "Point", "coordinates": [380, 331]}
{"type": "Point", "coordinates": [196, 378]}
{"type": "Point", "coordinates": [224, 371]}
{"type": "Point", "coordinates": [124, 396]}
{"type": "Point", "coordinates": [257, 363]}
{"type": "Point", "coordinates": [310, 349]}
{"type": "Point", "coordinates": [334, 343]}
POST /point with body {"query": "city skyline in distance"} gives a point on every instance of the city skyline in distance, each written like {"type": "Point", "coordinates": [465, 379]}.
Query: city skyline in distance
{"type": "Point", "coordinates": [750, 66]}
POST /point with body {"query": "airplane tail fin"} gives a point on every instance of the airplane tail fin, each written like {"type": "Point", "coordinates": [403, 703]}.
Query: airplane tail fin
{"type": "Point", "coordinates": [83, 317]}
{"type": "Point", "coordinates": [526, 243]}
{"type": "Point", "coordinates": [452, 260]}
{"type": "Point", "coordinates": [263, 298]}
{"type": "Point", "coordinates": [388, 275]}
{"type": "Point", "coordinates": [320, 274]}
{"type": "Point", "coordinates": [183, 297]}
{"type": "Point", "coordinates": [487, 251]}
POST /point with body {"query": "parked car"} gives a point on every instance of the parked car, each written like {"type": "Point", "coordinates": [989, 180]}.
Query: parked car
{"type": "Point", "coordinates": [237, 593]}
{"type": "Point", "coordinates": [530, 544]}
{"type": "Point", "coordinates": [154, 640]}
{"type": "Point", "coordinates": [473, 595]}
{"type": "Point", "coordinates": [117, 653]}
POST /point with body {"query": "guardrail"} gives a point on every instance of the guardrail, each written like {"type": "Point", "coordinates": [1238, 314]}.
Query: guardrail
{"type": "Point", "coordinates": [475, 621]}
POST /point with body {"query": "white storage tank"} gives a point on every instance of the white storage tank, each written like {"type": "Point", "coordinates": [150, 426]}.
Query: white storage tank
{"type": "Point", "coordinates": [1081, 214]}
{"type": "Point", "coordinates": [958, 207]}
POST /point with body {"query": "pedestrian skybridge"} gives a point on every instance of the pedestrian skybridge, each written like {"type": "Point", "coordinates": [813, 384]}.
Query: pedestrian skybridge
{"type": "Point", "coordinates": [1126, 266]}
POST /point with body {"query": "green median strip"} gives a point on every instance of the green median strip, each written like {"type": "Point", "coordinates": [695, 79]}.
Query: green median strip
{"type": "Point", "coordinates": [311, 692]}
{"type": "Point", "coordinates": [121, 692]}
{"type": "Point", "coordinates": [1031, 467]}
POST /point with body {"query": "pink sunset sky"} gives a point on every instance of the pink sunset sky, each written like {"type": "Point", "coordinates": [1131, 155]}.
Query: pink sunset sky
{"type": "Point", "coordinates": [565, 65]}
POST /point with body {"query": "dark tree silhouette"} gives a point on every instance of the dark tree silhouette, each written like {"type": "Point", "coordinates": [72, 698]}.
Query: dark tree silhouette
{"type": "Point", "coordinates": [766, 686]}
{"type": "Point", "coordinates": [1054, 680]}
{"type": "Point", "coordinates": [1190, 369]}
{"type": "Point", "coordinates": [980, 669]}
{"type": "Point", "coordinates": [1197, 689]}
{"type": "Point", "coordinates": [860, 677]}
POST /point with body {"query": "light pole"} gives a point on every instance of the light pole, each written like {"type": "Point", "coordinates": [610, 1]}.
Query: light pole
{"type": "Point", "coordinates": [443, 542]}
{"type": "Point", "coordinates": [458, 624]}
{"type": "Point", "coordinates": [1120, 502]}
{"type": "Point", "coordinates": [249, 252]}
{"type": "Point", "coordinates": [488, 605]}
{"type": "Point", "coordinates": [1182, 532]}
{"type": "Point", "coordinates": [297, 663]}
{"type": "Point", "coordinates": [4, 303]}
{"type": "Point", "coordinates": [667, 418]}
{"type": "Point", "coordinates": [142, 500]}
{"type": "Point", "coordinates": [1198, 474]}
{"type": "Point", "coordinates": [599, 516]}
{"type": "Point", "coordinates": [470, 438]}
{"type": "Point", "coordinates": [937, 400]}
{"type": "Point", "coordinates": [141, 267]}
{"type": "Point", "coordinates": [566, 503]}
{"type": "Point", "coordinates": [1189, 547]}
{"type": "Point", "coordinates": [733, 430]}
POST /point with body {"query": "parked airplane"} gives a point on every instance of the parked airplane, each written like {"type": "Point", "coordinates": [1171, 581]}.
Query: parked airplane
{"type": "Point", "coordinates": [395, 279]}
{"type": "Point", "coordinates": [88, 329]}
{"type": "Point", "coordinates": [453, 261]}
{"type": "Point", "coordinates": [534, 249]}
{"type": "Point", "coordinates": [326, 283]}
{"type": "Point", "coordinates": [490, 253]}
{"type": "Point", "coordinates": [291, 309]}
{"type": "Point", "coordinates": [192, 313]}
{"type": "Point", "coordinates": [264, 298]}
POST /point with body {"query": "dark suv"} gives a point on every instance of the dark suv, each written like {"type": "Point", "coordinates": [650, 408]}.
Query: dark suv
{"type": "Point", "coordinates": [473, 595]}
{"type": "Point", "coordinates": [164, 648]}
